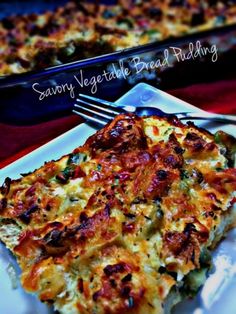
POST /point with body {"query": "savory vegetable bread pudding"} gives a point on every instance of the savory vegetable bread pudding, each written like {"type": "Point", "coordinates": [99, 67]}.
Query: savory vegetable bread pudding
{"type": "Point", "coordinates": [126, 222]}
{"type": "Point", "coordinates": [81, 30]}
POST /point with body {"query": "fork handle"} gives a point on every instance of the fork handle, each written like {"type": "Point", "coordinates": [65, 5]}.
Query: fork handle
{"type": "Point", "coordinates": [210, 116]}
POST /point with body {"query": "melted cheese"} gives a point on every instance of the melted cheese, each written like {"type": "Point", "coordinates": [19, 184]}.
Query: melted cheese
{"type": "Point", "coordinates": [114, 225]}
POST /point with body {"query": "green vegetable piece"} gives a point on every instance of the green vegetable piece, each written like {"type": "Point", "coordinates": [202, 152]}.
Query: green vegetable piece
{"type": "Point", "coordinates": [151, 32]}
{"type": "Point", "coordinates": [68, 51]}
{"type": "Point", "coordinates": [217, 137]}
{"type": "Point", "coordinates": [126, 21]}
{"type": "Point", "coordinates": [184, 174]}
{"type": "Point", "coordinates": [194, 280]}
{"type": "Point", "coordinates": [184, 186]}
{"type": "Point", "coordinates": [229, 142]}
{"type": "Point", "coordinates": [205, 257]}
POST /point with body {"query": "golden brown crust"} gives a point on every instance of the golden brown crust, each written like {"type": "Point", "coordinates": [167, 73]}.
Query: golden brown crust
{"type": "Point", "coordinates": [119, 221]}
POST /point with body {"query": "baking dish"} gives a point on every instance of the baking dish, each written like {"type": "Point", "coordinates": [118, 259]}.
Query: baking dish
{"type": "Point", "coordinates": [80, 29]}
{"type": "Point", "coordinates": [34, 96]}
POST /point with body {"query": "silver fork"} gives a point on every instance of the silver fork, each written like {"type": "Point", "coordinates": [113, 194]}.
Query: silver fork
{"type": "Point", "coordinates": [102, 111]}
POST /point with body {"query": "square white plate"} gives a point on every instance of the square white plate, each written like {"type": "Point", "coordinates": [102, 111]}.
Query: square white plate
{"type": "Point", "coordinates": [218, 293]}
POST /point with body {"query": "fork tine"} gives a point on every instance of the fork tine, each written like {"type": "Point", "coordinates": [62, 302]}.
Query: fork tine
{"type": "Point", "coordinates": [113, 111]}
{"type": "Point", "coordinates": [99, 101]}
{"type": "Point", "coordinates": [90, 118]}
{"type": "Point", "coordinates": [97, 113]}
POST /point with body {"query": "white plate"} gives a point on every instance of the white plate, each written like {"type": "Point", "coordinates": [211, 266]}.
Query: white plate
{"type": "Point", "coordinates": [218, 293]}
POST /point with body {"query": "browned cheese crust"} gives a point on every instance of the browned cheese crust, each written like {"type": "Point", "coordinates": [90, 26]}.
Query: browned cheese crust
{"type": "Point", "coordinates": [113, 226]}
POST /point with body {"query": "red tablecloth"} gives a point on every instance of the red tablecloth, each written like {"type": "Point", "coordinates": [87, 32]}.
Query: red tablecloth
{"type": "Point", "coordinates": [17, 141]}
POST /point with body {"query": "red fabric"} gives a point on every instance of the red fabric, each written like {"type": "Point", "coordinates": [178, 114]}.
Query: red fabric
{"type": "Point", "coordinates": [218, 97]}
{"type": "Point", "coordinates": [17, 141]}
